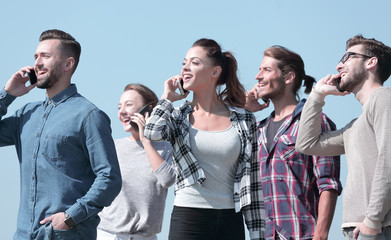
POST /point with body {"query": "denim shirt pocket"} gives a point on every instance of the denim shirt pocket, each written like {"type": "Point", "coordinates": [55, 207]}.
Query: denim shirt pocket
{"type": "Point", "coordinates": [54, 146]}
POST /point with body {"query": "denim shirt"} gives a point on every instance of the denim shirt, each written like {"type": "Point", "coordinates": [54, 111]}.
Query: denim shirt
{"type": "Point", "coordinates": [67, 162]}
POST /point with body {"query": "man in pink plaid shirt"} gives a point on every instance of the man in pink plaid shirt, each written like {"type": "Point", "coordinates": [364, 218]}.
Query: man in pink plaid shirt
{"type": "Point", "coordinates": [300, 191]}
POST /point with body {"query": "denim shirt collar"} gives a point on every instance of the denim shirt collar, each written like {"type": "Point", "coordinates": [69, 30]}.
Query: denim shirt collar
{"type": "Point", "coordinates": [62, 96]}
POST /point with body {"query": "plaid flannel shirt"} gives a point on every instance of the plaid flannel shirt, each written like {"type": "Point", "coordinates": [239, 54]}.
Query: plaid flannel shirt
{"type": "Point", "coordinates": [291, 181]}
{"type": "Point", "coordinates": [170, 124]}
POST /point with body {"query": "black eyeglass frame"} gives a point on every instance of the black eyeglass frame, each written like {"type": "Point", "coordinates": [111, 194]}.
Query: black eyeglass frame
{"type": "Point", "coordinates": [347, 55]}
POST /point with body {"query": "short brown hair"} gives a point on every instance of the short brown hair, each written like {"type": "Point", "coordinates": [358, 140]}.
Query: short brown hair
{"type": "Point", "coordinates": [374, 48]}
{"type": "Point", "coordinates": [149, 97]}
{"type": "Point", "coordinates": [68, 43]}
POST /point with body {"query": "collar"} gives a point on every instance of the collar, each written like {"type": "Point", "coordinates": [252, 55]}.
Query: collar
{"type": "Point", "coordinates": [296, 112]}
{"type": "Point", "coordinates": [186, 109]}
{"type": "Point", "coordinates": [62, 96]}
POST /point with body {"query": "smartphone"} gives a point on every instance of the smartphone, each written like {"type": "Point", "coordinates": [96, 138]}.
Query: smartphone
{"type": "Point", "coordinates": [143, 111]}
{"type": "Point", "coordinates": [33, 77]}
{"type": "Point", "coordinates": [181, 89]}
{"type": "Point", "coordinates": [337, 83]}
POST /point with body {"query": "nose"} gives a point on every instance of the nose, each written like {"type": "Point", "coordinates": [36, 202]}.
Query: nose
{"type": "Point", "coordinates": [185, 67]}
{"type": "Point", "coordinates": [121, 110]}
{"type": "Point", "coordinates": [38, 63]}
{"type": "Point", "coordinates": [339, 66]}
{"type": "Point", "coordinates": [259, 76]}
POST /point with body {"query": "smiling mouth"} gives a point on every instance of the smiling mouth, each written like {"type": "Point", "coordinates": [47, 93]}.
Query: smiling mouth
{"type": "Point", "coordinates": [187, 77]}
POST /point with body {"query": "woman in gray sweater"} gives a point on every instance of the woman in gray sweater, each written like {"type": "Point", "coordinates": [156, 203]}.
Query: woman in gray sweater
{"type": "Point", "coordinates": [137, 212]}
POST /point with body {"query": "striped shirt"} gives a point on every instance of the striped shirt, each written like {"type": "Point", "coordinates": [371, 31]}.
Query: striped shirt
{"type": "Point", "coordinates": [172, 124]}
{"type": "Point", "coordinates": [291, 181]}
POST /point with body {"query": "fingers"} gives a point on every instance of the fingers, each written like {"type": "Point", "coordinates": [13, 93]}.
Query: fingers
{"type": "Point", "coordinates": [356, 231]}
{"type": "Point", "coordinates": [48, 219]}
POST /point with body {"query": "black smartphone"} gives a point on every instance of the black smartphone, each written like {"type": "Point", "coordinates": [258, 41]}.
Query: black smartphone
{"type": "Point", "coordinates": [33, 77]}
{"type": "Point", "coordinates": [143, 111]}
{"type": "Point", "coordinates": [181, 89]}
{"type": "Point", "coordinates": [337, 83]}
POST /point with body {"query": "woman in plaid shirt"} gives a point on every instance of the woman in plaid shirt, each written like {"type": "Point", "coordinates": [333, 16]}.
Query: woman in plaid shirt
{"type": "Point", "coordinates": [214, 148]}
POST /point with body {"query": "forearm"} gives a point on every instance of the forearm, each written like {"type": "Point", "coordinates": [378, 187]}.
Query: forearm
{"type": "Point", "coordinates": [326, 207]}
{"type": "Point", "coordinates": [157, 125]}
{"type": "Point", "coordinates": [153, 156]}
{"type": "Point", "coordinates": [310, 138]}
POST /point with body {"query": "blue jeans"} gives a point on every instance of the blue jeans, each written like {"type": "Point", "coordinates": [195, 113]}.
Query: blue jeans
{"type": "Point", "coordinates": [206, 224]}
{"type": "Point", "coordinates": [384, 235]}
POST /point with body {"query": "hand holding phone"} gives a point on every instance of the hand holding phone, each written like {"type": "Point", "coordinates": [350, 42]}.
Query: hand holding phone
{"type": "Point", "coordinates": [337, 83]}
{"type": "Point", "coordinates": [143, 111]}
{"type": "Point", "coordinates": [33, 77]}
{"type": "Point", "coordinates": [181, 89]}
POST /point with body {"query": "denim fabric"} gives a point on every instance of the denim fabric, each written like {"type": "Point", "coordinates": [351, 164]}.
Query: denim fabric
{"type": "Point", "coordinates": [67, 161]}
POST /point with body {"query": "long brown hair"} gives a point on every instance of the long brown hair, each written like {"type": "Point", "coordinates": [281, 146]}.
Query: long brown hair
{"type": "Point", "coordinates": [234, 93]}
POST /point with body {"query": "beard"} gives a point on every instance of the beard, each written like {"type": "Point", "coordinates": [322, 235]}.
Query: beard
{"type": "Point", "coordinates": [50, 80]}
{"type": "Point", "coordinates": [354, 79]}
{"type": "Point", "coordinates": [275, 93]}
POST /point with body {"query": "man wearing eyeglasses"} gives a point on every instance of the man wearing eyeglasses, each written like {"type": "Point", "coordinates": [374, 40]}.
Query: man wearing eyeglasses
{"type": "Point", "coordinates": [366, 140]}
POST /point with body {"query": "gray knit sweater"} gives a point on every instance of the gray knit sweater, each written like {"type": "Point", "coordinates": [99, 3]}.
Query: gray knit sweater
{"type": "Point", "coordinates": [139, 207]}
{"type": "Point", "coordinates": [366, 141]}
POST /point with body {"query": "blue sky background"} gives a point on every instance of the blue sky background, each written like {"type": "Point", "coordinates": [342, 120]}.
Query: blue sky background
{"type": "Point", "coordinates": [146, 41]}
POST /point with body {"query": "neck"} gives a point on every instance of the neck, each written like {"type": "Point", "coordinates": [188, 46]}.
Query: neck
{"type": "Point", "coordinates": [284, 106]}
{"type": "Point", "coordinates": [206, 101]}
{"type": "Point", "coordinates": [60, 86]}
{"type": "Point", "coordinates": [135, 135]}
{"type": "Point", "coordinates": [364, 91]}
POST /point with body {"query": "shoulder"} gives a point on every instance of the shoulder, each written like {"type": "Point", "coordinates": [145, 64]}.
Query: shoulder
{"type": "Point", "coordinates": [241, 113]}
{"type": "Point", "coordinates": [381, 94]}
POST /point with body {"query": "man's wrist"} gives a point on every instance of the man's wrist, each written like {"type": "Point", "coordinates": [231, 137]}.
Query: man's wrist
{"type": "Point", "coordinates": [68, 220]}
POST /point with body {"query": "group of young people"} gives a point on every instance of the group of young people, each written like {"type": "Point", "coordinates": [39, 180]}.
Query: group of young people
{"type": "Point", "coordinates": [281, 174]}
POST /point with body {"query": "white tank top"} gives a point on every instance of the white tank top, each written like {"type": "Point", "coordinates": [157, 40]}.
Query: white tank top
{"type": "Point", "coordinates": [217, 153]}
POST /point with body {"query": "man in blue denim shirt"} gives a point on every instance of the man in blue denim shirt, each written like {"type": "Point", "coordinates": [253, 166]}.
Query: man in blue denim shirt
{"type": "Point", "coordinates": [68, 165]}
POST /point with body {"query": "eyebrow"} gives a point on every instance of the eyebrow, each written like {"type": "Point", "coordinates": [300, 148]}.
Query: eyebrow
{"type": "Point", "coordinates": [194, 58]}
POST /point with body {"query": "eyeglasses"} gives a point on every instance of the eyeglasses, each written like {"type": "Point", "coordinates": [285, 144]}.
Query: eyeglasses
{"type": "Point", "coordinates": [346, 56]}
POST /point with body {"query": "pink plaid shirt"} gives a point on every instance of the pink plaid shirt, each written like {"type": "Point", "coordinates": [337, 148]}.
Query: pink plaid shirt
{"type": "Point", "coordinates": [291, 181]}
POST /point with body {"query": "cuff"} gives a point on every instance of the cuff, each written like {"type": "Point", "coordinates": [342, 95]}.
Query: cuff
{"type": "Point", "coordinates": [372, 224]}
{"type": "Point", "coordinates": [8, 98]}
{"type": "Point", "coordinates": [76, 213]}
{"type": "Point", "coordinates": [317, 95]}
{"type": "Point", "coordinates": [256, 235]}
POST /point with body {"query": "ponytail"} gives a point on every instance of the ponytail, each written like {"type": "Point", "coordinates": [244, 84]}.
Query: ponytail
{"type": "Point", "coordinates": [234, 92]}
{"type": "Point", "coordinates": [308, 83]}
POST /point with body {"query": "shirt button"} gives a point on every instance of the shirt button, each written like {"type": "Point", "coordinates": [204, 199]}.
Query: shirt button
{"type": "Point", "coordinates": [38, 134]}
{"type": "Point", "coordinates": [33, 178]}
{"type": "Point", "coordinates": [45, 115]}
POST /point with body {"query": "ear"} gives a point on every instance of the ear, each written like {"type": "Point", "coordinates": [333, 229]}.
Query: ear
{"type": "Point", "coordinates": [372, 63]}
{"type": "Point", "coordinates": [69, 63]}
{"type": "Point", "coordinates": [290, 77]}
{"type": "Point", "coordinates": [216, 71]}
